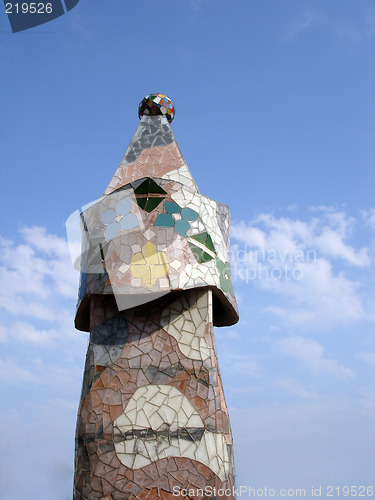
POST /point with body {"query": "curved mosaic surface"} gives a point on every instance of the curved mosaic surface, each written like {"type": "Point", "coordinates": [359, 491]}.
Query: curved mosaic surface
{"type": "Point", "coordinates": [154, 236]}
{"type": "Point", "coordinates": [186, 319]}
{"type": "Point", "coordinates": [160, 422]}
{"type": "Point", "coordinates": [152, 232]}
{"type": "Point", "coordinates": [152, 417]}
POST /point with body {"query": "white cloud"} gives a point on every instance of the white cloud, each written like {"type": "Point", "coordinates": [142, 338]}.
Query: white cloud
{"type": "Point", "coordinates": [44, 383]}
{"type": "Point", "coordinates": [292, 387]}
{"type": "Point", "coordinates": [305, 262]}
{"type": "Point", "coordinates": [330, 243]}
{"type": "Point", "coordinates": [369, 217]}
{"type": "Point", "coordinates": [38, 295]}
{"type": "Point", "coordinates": [320, 296]}
{"type": "Point", "coordinates": [58, 262]}
{"type": "Point", "coordinates": [39, 239]}
{"type": "Point", "coordinates": [56, 376]}
{"type": "Point", "coordinates": [337, 220]}
{"type": "Point", "coordinates": [310, 353]}
{"type": "Point", "coordinates": [27, 333]}
{"type": "Point", "coordinates": [239, 364]}
{"type": "Point", "coordinates": [325, 234]}
{"type": "Point", "coordinates": [12, 374]}
{"type": "Point", "coordinates": [35, 273]}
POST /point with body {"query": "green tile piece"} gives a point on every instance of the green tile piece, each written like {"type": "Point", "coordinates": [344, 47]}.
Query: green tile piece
{"type": "Point", "coordinates": [202, 237]}
{"type": "Point", "coordinates": [230, 285]}
{"type": "Point", "coordinates": [224, 283]}
{"type": "Point", "coordinates": [228, 270]}
{"type": "Point", "coordinates": [209, 244]}
{"type": "Point", "coordinates": [200, 254]}
{"type": "Point", "coordinates": [206, 240]}
{"type": "Point", "coordinates": [220, 265]}
{"type": "Point", "coordinates": [206, 257]}
{"type": "Point", "coordinates": [152, 203]}
{"type": "Point", "coordinates": [143, 188]}
{"type": "Point", "coordinates": [149, 186]}
{"type": "Point", "coordinates": [154, 188]}
{"type": "Point", "coordinates": [197, 252]}
{"type": "Point", "coordinates": [142, 202]}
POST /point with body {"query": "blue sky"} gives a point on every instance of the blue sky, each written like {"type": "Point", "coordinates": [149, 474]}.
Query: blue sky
{"type": "Point", "coordinates": [275, 117]}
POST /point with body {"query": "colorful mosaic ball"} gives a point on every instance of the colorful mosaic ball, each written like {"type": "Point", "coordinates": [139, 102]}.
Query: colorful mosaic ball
{"type": "Point", "coordinates": [156, 104]}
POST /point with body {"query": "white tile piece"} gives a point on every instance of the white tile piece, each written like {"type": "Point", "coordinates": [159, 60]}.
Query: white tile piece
{"type": "Point", "coordinates": [188, 328]}
{"type": "Point", "coordinates": [211, 450]}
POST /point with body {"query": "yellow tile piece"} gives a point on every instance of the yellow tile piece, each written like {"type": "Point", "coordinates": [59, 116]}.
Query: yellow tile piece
{"type": "Point", "coordinates": [149, 265]}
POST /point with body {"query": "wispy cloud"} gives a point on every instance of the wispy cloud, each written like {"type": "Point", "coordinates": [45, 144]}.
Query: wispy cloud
{"type": "Point", "coordinates": [309, 263]}
{"type": "Point", "coordinates": [42, 374]}
{"type": "Point", "coordinates": [355, 29]}
{"type": "Point", "coordinates": [302, 23]}
{"type": "Point", "coordinates": [12, 374]}
{"type": "Point", "coordinates": [293, 387]}
{"type": "Point", "coordinates": [42, 361]}
{"type": "Point", "coordinates": [27, 333]}
{"type": "Point", "coordinates": [369, 217]}
{"type": "Point", "coordinates": [31, 270]}
{"type": "Point", "coordinates": [355, 32]}
{"type": "Point", "coordinates": [326, 234]}
{"type": "Point", "coordinates": [311, 354]}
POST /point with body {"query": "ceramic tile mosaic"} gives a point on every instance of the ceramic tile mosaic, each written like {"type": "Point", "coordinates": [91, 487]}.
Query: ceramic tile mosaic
{"type": "Point", "coordinates": [154, 202]}
{"type": "Point", "coordinates": [155, 279]}
{"type": "Point", "coordinates": [156, 104]}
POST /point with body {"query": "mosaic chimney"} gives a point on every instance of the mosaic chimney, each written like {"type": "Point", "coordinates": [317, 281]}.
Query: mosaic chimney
{"type": "Point", "coordinates": [155, 280]}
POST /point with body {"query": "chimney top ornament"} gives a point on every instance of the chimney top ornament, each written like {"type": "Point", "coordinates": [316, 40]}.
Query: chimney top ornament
{"type": "Point", "coordinates": [156, 104]}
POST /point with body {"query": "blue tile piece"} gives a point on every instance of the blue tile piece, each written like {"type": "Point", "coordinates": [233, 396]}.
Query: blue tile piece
{"type": "Point", "coordinates": [112, 230]}
{"type": "Point", "coordinates": [129, 221]}
{"type": "Point", "coordinates": [164, 220]}
{"type": "Point", "coordinates": [123, 206]}
{"type": "Point", "coordinates": [189, 214]}
{"type": "Point", "coordinates": [171, 207]}
{"type": "Point", "coordinates": [108, 216]}
{"type": "Point", "coordinates": [181, 226]}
